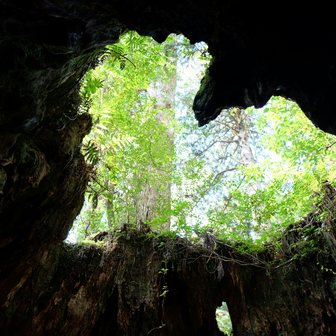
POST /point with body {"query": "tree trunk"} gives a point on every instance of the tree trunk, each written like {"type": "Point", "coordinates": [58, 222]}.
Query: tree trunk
{"type": "Point", "coordinates": [109, 213]}
{"type": "Point", "coordinates": [147, 202]}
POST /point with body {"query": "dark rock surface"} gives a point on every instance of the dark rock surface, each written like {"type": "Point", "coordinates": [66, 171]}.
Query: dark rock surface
{"type": "Point", "coordinates": [144, 286]}
{"type": "Point", "coordinates": [260, 49]}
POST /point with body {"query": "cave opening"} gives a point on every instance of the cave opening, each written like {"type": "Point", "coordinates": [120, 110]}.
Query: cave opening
{"type": "Point", "coordinates": [223, 319]}
{"type": "Point", "coordinates": [158, 97]}
{"type": "Point", "coordinates": [198, 179]}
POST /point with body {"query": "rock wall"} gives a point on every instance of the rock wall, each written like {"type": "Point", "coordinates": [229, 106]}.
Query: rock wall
{"type": "Point", "coordinates": [128, 284]}
{"type": "Point", "coordinates": [259, 50]}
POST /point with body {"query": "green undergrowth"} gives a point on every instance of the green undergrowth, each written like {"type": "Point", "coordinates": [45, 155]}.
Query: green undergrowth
{"type": "Point", "coordinates": [296, 244]}
{"type": "Point", "coordinates": [310, 240]}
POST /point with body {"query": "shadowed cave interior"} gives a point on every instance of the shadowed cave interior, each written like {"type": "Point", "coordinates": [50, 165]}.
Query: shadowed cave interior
{"type": "Point", "coordinates": [49, 287]}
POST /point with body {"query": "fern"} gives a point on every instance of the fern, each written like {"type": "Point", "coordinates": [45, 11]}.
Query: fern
{"type": "Point", "coordinates": [91, 153]}
{"type": "Point", "coordinates": [121, 142]}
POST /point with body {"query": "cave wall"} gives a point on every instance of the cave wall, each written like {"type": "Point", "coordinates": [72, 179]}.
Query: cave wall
{"type": "Point", "coordinates": [259, 49]}
{"type": "Point", "coordinates": [136, 286]}
{"type": "Point", "coordinates": [94, 290]}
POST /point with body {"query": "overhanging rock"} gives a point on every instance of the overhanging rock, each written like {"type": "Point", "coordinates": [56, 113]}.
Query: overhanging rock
{"type": "Point", "coordinates": [259, 50]}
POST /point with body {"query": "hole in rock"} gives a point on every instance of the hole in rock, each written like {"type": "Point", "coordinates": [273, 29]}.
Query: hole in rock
{"type": "Point", "coordinates": [244, 177]}
{"type": "Point", "coordinates": [223, 319]}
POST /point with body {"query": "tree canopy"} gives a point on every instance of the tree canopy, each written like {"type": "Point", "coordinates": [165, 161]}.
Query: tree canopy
{"type": "Point", "coordinates": [247, 175]}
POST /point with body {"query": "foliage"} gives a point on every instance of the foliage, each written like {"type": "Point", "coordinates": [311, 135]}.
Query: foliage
{"type": "Point", "coordinates": [221, 149]}
{"type": "Point", "coordinates": [224, 320]}
{"type": "Point", "coordinates": [139, 147]}
{"type": "Point", "coordinates": [129, 146]}
{"type": "Point", "coordinates": [300, 159]}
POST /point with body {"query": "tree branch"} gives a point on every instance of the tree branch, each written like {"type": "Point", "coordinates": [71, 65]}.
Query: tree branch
{"type": "Point", "coordinates": [326, 147]}
{"type": "Point", "coordinates": [211, 184]}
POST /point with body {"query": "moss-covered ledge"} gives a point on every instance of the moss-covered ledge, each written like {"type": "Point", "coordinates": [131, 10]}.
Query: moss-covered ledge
{"type": "Point", "coordinates": [128, 283]}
